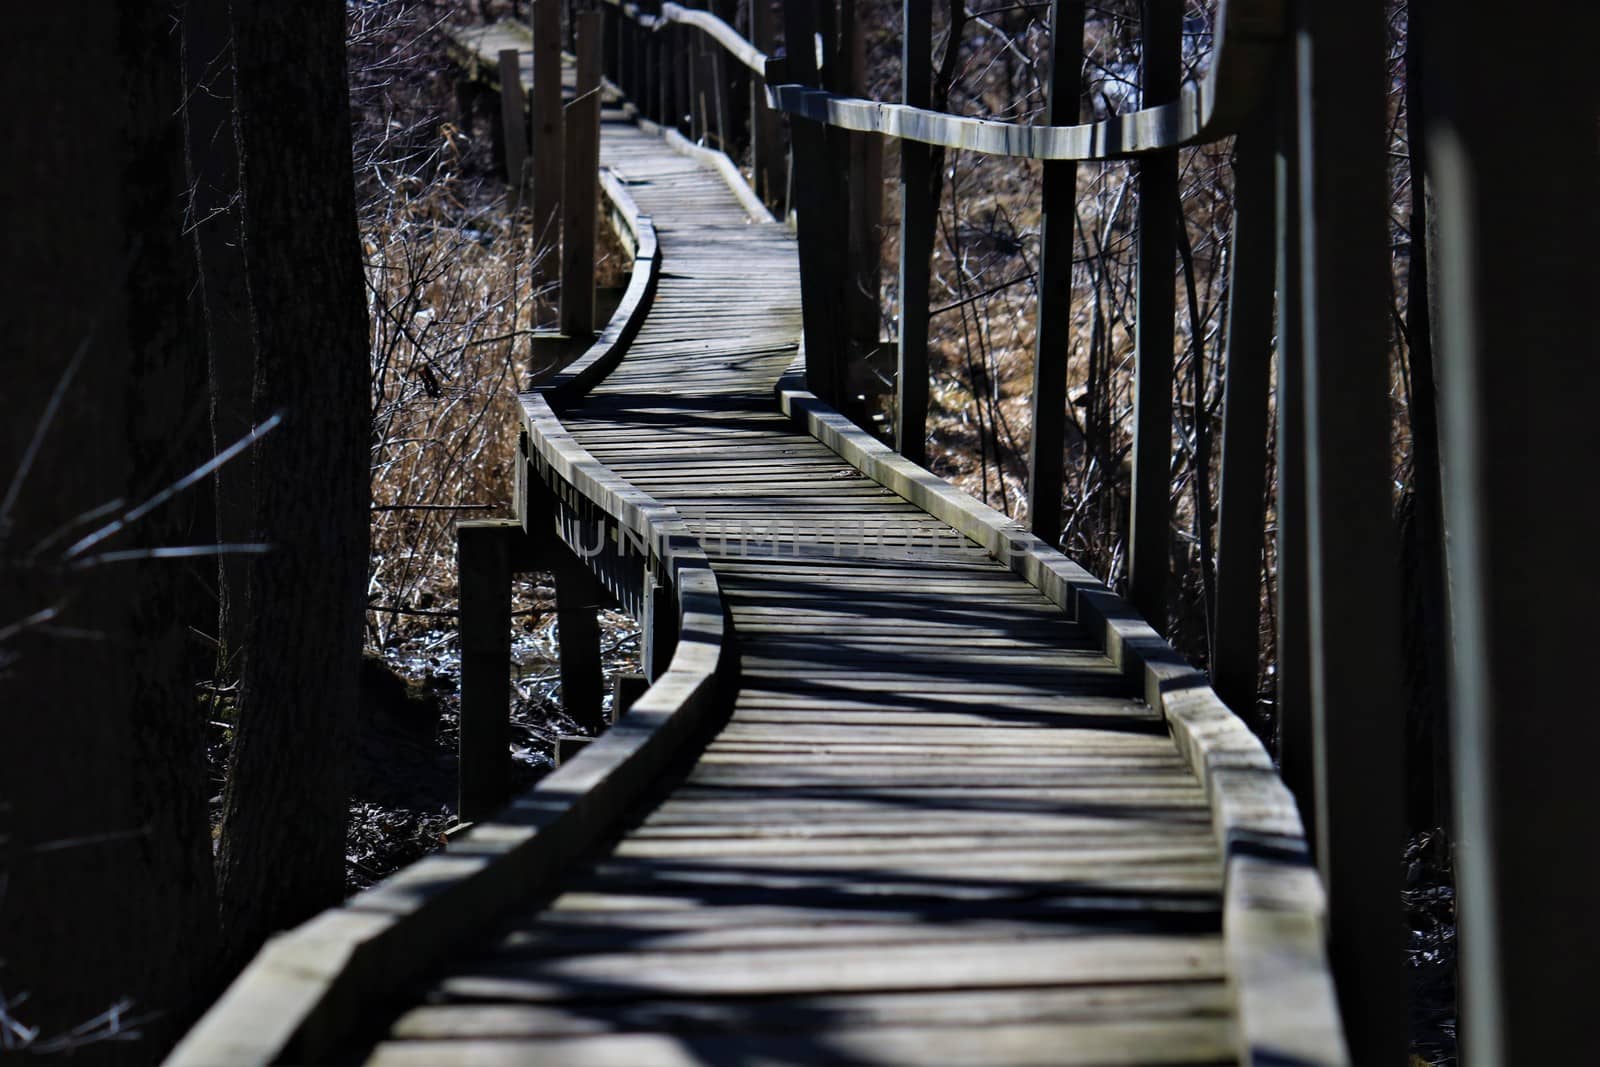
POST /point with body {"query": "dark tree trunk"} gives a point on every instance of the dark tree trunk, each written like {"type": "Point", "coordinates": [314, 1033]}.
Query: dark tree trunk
{"type": "Point", "coordinates": [282, 855]}
{"type": "Point", "coordinates": [1428, 637]}
{"type": "Point", "coordinates": [223, 295]}
{"type": "Point", "coordinates": [106, 894]}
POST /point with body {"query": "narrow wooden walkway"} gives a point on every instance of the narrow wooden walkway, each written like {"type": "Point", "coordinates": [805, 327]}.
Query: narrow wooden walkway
{"type": "Point", "coordinates": [940, 826]}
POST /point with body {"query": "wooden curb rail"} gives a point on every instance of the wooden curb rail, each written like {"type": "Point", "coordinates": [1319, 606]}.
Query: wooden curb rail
{"type": "Point", "coordinates": [1274, 908]}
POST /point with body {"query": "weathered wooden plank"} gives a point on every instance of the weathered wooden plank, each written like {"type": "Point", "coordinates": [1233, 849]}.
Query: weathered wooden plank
{"type": "Point", "coordinates": [1047, 1045]}
{"type": "Point", "coordinates": [1140, 1002]}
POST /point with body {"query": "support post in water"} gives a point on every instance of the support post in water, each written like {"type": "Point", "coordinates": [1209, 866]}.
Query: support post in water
{"type": "Point", "coordinates": [578, 642]}
{"type": "Point", "coordinates": [483, 560]}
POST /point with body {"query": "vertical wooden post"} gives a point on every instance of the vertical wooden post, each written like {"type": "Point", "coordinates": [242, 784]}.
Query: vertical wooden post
{"type": "Point", "coordinates": [578, 638]}
{"type": "Point", "coordinates": [1353, 574]}
{"type": "Point", "coordinates": [717, 71]}
{"type": "Point", "coordinates": [864, 305]}
{"type": "Point", "coordinates": [1053, 346]}
{"type": "Point", "coordinates": [514, 125]}
{"type": "Point", "coordinates": [682, 46]}
{"type": "Point", "coordinates": [660, 626]}
{"type": "Point", "coordinates": [917, 219]}
{"type": "Point", "coordinates": [483, 562]}
{"type": "Point", "coordinates": [1295, 735]}
{"type": "Point", "coordinates": [820, 208]}
{"type": "Point", "coordinates": [652, 73]}
{"type": "Point", "coordinates": [1517, 345]}
{"type": "Point", "coordinates": [766, 132]}
{"type": "Point", "coordinates": [548, 135]}
{"type": "Point", "coordinates": [694, 63]}
{"type": "Point", "coordinates": [1150, 524]}
{"type": "Point", "coordinates": [580, 188]}
{"type": "Point", "coordinates": [614, 47]}
{"type": "Point", "coordinates": [626, 689]}
{"type": "Point", "coordinates": [1242, 507]}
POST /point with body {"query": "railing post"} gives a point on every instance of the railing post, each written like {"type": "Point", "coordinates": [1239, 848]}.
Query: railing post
{"type": "Point", "coordinates": [514, 125]}
{"type": "Point", "coordinates": [766, 132]}
{"type": "Point", "coordinates": [1053, 344]}
{"type": "Point", "coordinates": [1518, 375]}
{"type": "Point", "coordinates": [1150, 522]}
{"type": "Point", "coordinates": [863, 295]}
{"type": "Point", "coordinates": [655, 75]}
{"type": "Point", "coordinates": [580, 188]}
{"type": "Point", "coordinates": [682, 62]}
{"type": "Point", "coordinates": [822, 260]}
{"type": "Point", "coordinates": [578, 639]}
{"type": "Point", "coordinates": [1353, 573]}
{"type": "Point", "coordinates": [483, 562]}
{"type": "Point", "coordinates": [1293, 595]}
{"type": "Point", "coordinates": [694, 69]}
{"type": "Point", "coordinates": [548, 134]}
{"type": "Point", "coordinates": [918, 214]}
{"type": "Point", "coordinates": [1241, 515]}
{"type": "Point", "coordinates": [614, 48]}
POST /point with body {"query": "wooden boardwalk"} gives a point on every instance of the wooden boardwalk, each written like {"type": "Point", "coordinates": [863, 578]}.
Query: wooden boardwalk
{"type": "Point", "coordinates": [940, 826]}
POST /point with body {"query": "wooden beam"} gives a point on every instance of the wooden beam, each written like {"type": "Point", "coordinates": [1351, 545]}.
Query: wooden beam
{"type": "Point", "coordinates": [1241, 509]}
{"type": "Point", "coordinates": [1053, 346]}
{"type": "Point", "coordinates": [483, 563]}
{"type": "Point", "coordinates": [1249, 36]}
{"type": "Point", "coordinates": [549, 139]}
{"type": "Point", "coordinates": [1150, 521]}
{"type": "Point", "coordinates": [1357, 713]}
{"type": "Point", "coordinates": [918, 215]}
{"type": "Point", "coordinates": [1517, 352]}
{"type": "Point", "coordinates": [580, 188]}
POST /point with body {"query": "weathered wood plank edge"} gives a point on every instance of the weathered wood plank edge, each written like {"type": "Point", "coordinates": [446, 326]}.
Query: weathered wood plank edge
{"type": "Point", "coordinates": [310, 989]}
{"type": "Point", "coordinates": [1274, 907]}
{"type": "Point", "coordinates": [638, 231]}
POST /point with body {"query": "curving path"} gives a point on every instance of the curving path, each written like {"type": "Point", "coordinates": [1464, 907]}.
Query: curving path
{"type": "Point", "coordinates": [941, 825]}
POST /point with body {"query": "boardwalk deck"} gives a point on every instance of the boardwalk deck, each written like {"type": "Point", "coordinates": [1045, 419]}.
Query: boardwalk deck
{"type": "Point", "coordinates": [940, 826]}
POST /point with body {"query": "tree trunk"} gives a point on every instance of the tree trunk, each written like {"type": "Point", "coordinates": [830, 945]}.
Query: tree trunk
{"type": "Point", "coordinates": [224, 297]}
{"type": "Point", "coordinates": [106, 894]}
{"type": "Point", "coordinates": [282, 856]}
